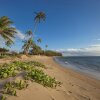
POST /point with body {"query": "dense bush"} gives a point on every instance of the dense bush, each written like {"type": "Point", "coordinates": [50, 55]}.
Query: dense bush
{"type": "Point", "coordinates": [52, 53]}
{"type": "Point", "coordinates": [3, 50]}
{"type": "Point", "coordinates": [36, 50]}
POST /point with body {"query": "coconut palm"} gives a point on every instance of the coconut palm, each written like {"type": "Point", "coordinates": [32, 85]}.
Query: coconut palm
{"type": "Point", "coordinates": [6, 31]}
{"type": "Point", "coordinates": [28, 43]}
{"type": "Point", "coordinates": [39, 40]}
{"type": "Point", "coordinates": [36, 50]}
{"type": "Point", "coordinates": [46, 46]}
{"type": "Point", "coordinates": [29, 33]}
{"type": "Point", "coordinates": [40, 16]}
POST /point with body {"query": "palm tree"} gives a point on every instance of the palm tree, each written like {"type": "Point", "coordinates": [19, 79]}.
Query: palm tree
{"type": "Point", "coordinates": [40, 16]}
{"type": "Point", "coordinates": [46, 46]}
{"type": "Point", "coordinates": [28, 43]}
{"type": "Point", "coordinates": [39, 40]}
{"type": "Point", "coordinates": [6, 31]}
{"type": "Point", "coordinates": [29, 33]}
{"type": "Point", "coordinates": [36, 50]}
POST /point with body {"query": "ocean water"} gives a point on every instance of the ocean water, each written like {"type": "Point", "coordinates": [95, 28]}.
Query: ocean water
{"type": "Point", "coordinates": [86, 65]}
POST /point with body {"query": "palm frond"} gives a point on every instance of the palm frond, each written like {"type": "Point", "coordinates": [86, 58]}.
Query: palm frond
{"type": "Point", "coordinates": [6, 31]}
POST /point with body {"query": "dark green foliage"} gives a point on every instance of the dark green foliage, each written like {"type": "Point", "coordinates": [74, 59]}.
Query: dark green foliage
{"type": "Point", "coordinates": [52, 53]}
{"type": "Point", "coordinates": [6, 31]}
{"type": "Point", "coordinates": [27, 45]}
{"type": "Point", "coordinates": [36, 50]}
{"type": "Point", "coordinates": [28, 42]}
{"type": "Point", "coordinates": [3, 50]}
{"type": "Point", "coordinates": [39, 40]}
{"type": "Point", "coordinates": [39, 16]}
{"type": "Point", "coordinates": [40, 77]}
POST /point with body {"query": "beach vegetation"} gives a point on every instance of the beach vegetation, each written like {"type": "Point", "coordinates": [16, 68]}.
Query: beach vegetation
{"type": "Point", "coordinates": [10, 88]}
{"type": "Point", "coordinates": [40, 77]}
{"type": "Point", "coordinates": [32, 72]}
{"type": "Point", "coordinates": [10, 70]}
{"type": "Point", "coordinates": [3, 97]}
{"type": "Point", "coordinates": [52, 53]}
{"type": "Point", "coordinates": [7, 70]}
{"type": "Point", "coordinates": [36, 50]}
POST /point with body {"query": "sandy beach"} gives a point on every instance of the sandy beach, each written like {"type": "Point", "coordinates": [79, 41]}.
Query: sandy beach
{"type": "Point", "coordinates": [75, 86]}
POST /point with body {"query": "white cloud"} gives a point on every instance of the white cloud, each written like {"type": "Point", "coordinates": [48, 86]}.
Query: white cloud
{"type": "Point", "coordinates": [20, 34]}
{"type": "Point", "coordinates": [93, 50]}
{"type": "Point", "coordinates": [95, 45]}
{"type": "Point", "coordinates": [98, 39]}
{"type": "Point", "coordinates": [2, 43]}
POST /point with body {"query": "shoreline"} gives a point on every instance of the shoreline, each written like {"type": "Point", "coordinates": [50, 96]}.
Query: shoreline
{"type": "Point", "coordinates": [87, 73]}
{"type": "Point", "coordinates": [76, 73]}
{"type": "Point", "coordinates": [75, 86]}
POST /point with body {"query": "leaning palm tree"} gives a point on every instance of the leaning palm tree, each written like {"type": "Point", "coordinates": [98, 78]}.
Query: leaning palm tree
{"type": "Point", "coordinates": [46, 46]}
{"type": "Point", "coordinates": [28, 43]}
{"type": "Point", "coordinates": [6, 31]}
{"type": "Point", "coordinates": [29, 33]}
{"type": "Point", "coordinates": [39, 40]}
{"type": "Point", "coordinates": [40, 16]}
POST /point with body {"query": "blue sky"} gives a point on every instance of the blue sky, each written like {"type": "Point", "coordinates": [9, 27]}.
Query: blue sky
{"type": "Point", "coordinates": [69, 23]}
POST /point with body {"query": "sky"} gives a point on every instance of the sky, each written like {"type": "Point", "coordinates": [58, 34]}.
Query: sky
{"type": "Point", "coordinates": [71, 26]}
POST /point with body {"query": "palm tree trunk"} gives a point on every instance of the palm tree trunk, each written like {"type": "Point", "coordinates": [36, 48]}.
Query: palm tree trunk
{"type": "Point", "coordinates": [1, 31]}
{"type": "Point", "coordinates": [35, 27]}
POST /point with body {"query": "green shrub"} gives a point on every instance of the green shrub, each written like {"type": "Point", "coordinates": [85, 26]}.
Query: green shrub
{"type": "Point", "coordinates": [36, 64]}
{"type": "Point", "coordinates": [52, 53]}
{"type": "Point", "coordinates": [40, 77]}
{"type": "Point", "coordinates": [3, 97]}
{"type": "Point", "coordinates": [21, 84]}
{"type": "Point", "coordinates": [7, 71]}
{"type": "Point", "coordinates": [28, 65]}
{"type": "Point", "coordinates": [10, 87]}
